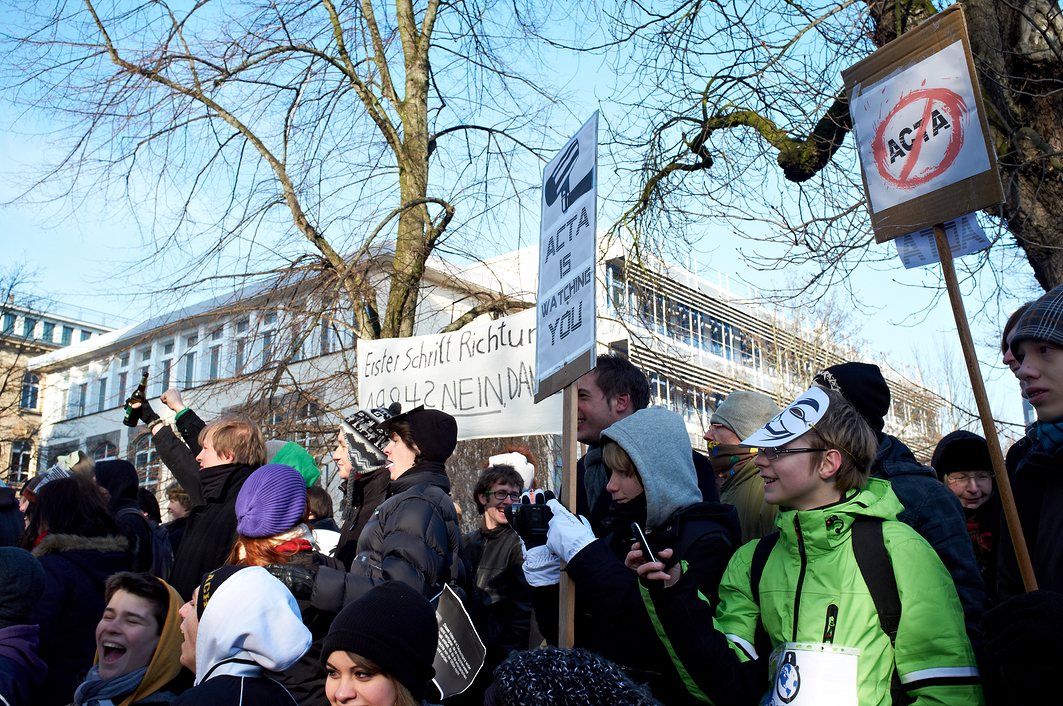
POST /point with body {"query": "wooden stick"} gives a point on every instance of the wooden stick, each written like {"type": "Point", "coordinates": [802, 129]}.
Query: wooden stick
{"type": "Point", "coordinates": [566, 633]}
{"type": "Point", "coordinates": [1007, 498]}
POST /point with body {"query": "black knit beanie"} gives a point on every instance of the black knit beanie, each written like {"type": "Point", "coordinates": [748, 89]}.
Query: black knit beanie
{"type": "Point", "coordinates": [434, 432]}
{"type": "Point", "coordinates": [21, 585]}
{"type": "Point", "coordinates": [552, 676]}
{"type": "Point", "coordinates": [393, 626]}
{"type": "Point", "coordinates": [862, 386]}
{"type": "Point", "coordinates": [961, 451]}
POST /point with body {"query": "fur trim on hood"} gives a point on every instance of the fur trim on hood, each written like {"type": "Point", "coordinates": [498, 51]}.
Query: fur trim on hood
{"type": "Point", "coordinates": [56, 543]}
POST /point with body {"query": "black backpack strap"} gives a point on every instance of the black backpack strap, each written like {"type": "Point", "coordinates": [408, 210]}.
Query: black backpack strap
{"type": "Point", "coordinates": [760, 557]}
{"type": "Point", "coordinates": [877, 570]}
{"type": "Point", "coordinates": [765, 544]}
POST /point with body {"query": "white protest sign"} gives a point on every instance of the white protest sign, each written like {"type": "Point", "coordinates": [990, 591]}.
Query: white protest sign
{"type": "Point", "coordinates": [483, 375]}
{"type": "Point", "coordinates": [918, 129]}
{"type": "Point", "coordinates": [920, 248]}
{"type": "Point", "coordinates": [566, 305]}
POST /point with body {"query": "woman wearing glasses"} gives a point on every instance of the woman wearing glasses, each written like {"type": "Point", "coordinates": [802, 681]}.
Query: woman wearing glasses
{"type": "Point", "coordinates": [962, 462]}
{"type": "Point", "coordinates": [499, 599]}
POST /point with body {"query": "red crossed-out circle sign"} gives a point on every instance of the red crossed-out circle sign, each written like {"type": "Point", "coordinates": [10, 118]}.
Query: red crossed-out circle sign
{"type": "Point", "coordinates": [903, 135]}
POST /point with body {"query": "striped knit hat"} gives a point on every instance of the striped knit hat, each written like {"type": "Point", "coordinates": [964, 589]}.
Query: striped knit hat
{"type": "Point", "coordinates": [271, 501]}
{"type": "Point", "coordinates": [1043, 321]}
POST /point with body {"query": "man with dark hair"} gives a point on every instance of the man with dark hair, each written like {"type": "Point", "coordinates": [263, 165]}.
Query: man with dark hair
{"type": "Point", "coordinates": [614, 389]}
{"type": "Point", "coordinates": [499, 599]}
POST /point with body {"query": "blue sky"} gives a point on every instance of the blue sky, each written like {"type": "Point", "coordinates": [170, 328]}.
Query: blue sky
{"type": "Point", "coordinates": [80, 253]}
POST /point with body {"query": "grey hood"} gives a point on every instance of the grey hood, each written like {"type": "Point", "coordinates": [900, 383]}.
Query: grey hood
{"type": "Point", "coordinates": [656, 439]}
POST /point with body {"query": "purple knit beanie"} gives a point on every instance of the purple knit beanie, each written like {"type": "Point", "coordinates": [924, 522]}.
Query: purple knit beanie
{"type": "Point", "coordinates": [271, 501]}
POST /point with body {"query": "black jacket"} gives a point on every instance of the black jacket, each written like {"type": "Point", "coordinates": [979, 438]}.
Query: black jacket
{"type": "Point", "coordinates": [932, 510]}
{"type": "Point", "coordinates": [1038, 489]}
{"type": "Point", "coordinates": [227, 690]}
{"type": "Point", "coordinates": [499, 599]}
{"type": "Point", "coordinates": [412, 537]}
{"type": "Point", "coordinates": [211, 527]}
{"type": "Point", "coordinates": [119, 479]}
{"type": "Point", "coordinates": [75, 570]}
{"type": "Point", "coordinates": [365, 495]}
{"type": "Point", "coordinates": [611, 612]}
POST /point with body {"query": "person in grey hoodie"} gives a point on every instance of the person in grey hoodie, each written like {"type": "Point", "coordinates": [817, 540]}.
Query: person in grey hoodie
{"type": "Point", "coordinates": [652, 482]}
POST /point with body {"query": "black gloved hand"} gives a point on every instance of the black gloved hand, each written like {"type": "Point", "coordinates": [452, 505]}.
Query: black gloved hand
{"type": "Point", "coordinates": [1023, 626]}
{"type": "Point", "coordinates": [147, 414]}
{"type": "Point", "coordinates": [297, 578]}
{"type": "Point", "coordinates": [531, 517]}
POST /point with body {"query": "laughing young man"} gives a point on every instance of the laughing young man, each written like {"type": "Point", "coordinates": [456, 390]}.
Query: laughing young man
{"type": "Point", "coordinates": [138, 645]}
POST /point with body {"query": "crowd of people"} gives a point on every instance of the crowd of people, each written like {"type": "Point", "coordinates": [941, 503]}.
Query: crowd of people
{"type": "Point", "coordinates": [807, 558]}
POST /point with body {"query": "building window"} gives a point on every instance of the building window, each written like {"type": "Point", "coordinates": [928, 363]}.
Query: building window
{"type": "Point", "coordinates": [104, 451]}
{"type": "Point", "coordinates": [68, 335]}
{"type": "Point", "coordinates": [145, 353]}
{"type": "Point", "coordinates": [76, 402]}
{"type": "Point", "coordinates": [241, 351]}
{"type": "Point", "coordinates": [215, 335]}
{"type": "Point", "coordinates": [18, 471]}
{"type": "Point", "coordinates": [48, 332]}
{"type": "Point", "coordinates": [123, 359]}
{"type": "Point", "coordinates": [31, 386]}
{"type": "Point", "coordinates": [101, 395]}
{"type": "Point", "coordinates": [325, 339]}
{"type": "Point", "coordinates": [243, 324]}
{"type": "Point", "coordinates": [122, 380]}
{"type": "Point", "coordinates": [167, 348]}
{"type": "Point", "coordinates": [190, 369]}
{"type": "Point", "coordinates": [85, 335]}
{"type": "Point", "coordinates": [166, 366]}
{"type": "Point", "coordinates": [215, 362]}
{"type": "Point", "coordinates": [9, 323]}
{"type": "Point", "coordinates": [149, 467]}
{"type": "Point", "coordinates": [28, 325]}
{"type": "Point", "coordinates": [267, 348]}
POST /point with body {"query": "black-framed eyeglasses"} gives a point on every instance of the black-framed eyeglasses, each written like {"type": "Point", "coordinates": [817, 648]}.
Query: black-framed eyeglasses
{"type": "Point", "coordinates": [773, 454]}
{"type": "Point", "coordinates": [501, 495]}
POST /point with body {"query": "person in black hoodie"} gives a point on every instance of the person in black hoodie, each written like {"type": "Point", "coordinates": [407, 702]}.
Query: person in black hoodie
{"type": "Point", "coordinates": [119, 479]}
{"type": "Point", "coordinates": [414, 535]}
{"type": "Point", "coordinates": [230, 449]}
{"type": "Point", "coordinates": [81, 546]}
{"type": "Point", "coordinates": [652, 482]}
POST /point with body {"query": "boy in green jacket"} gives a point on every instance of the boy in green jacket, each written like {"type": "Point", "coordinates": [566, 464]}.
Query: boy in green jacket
{"type": "Point", "coordinates": [812, 609]}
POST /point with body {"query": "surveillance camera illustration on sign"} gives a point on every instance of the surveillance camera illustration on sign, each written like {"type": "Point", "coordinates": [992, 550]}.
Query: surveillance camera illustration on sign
{"type": "Point", "coordinates": [558, 184]}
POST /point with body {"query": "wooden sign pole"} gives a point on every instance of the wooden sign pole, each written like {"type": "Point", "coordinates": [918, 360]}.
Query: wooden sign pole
{"type": "Point", "coordinates": [1007, 499]}
{"type": "Point", "coordinates": [566, 634]}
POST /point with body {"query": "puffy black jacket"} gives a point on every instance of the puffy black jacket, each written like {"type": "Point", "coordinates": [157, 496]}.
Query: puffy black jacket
{"type": "Point", "coordinates": [364, 497]}
{"type": "Point", "coordinates": [413, 537]}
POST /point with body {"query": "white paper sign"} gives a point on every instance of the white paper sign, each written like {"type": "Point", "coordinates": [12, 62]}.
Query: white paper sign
{"type": "Point", "coordinates": [920, 248]}
{"type": "Point", "coordinates": [566, 304]}
{"type": "Point", "coordinates": [917, 129]}
{"type": "Point", "coordinates": [813, 674]}
{"type": "Point", "coordinates": [483, 375]}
